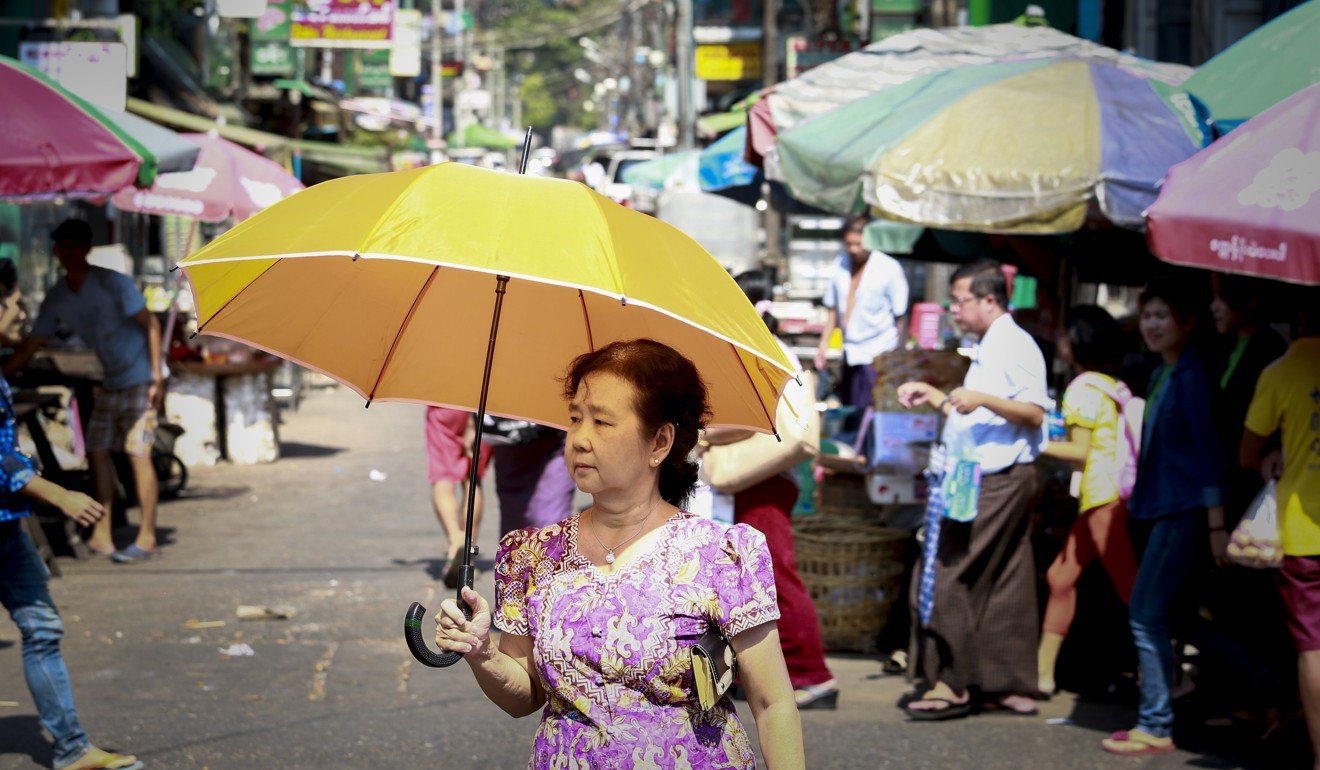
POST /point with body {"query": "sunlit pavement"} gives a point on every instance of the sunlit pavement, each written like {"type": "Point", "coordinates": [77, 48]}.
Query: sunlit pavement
{"type": "Point", "coordinates": [333, 686]}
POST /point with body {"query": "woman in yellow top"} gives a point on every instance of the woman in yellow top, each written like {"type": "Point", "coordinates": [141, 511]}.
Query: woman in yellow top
{"type": "Point", "coordinates": [1092, 409]}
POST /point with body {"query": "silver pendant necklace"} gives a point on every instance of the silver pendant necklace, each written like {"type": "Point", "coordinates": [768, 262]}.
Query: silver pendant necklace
{"type": "Point", "coordinates": [609, 552]}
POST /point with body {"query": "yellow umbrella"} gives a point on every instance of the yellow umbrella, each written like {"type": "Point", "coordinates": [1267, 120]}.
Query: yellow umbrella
{"type": "Point", "coordinates": [469, 288]}
{"type": "Point", "coordinates": [386, 282]}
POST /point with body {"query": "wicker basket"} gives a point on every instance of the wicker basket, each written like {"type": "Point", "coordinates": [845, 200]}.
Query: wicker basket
{"type": "Point", "coordinates": [853, 570]}
{"type": "Point", "coordinates": [844, 494]}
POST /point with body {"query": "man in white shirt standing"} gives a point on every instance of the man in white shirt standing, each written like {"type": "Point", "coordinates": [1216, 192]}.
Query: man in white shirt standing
{"type": "Point", "coordinates": [867, 298]}
{"type": "Point", "coordinates": [984, 624]}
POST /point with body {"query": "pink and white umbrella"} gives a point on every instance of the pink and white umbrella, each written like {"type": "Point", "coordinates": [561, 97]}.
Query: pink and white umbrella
{"type": "Point", "coordinates": [1250, 202]}
{"type": "Point", "coordinates": [227, 181]}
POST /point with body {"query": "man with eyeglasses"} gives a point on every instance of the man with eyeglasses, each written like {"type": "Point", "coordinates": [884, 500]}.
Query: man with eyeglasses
{"type": "Point", "coordinates": [983, 627]}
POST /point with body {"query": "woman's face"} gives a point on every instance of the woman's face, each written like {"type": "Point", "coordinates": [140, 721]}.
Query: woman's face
{"type": "Point", "coordinates": [1226, 318]}
{"type": "Point", "coordinates": [12, 317]}
{"type": "Point", "coordinates": [607, 449]}
{"type": "Point", "coordinates": [1161, 329]}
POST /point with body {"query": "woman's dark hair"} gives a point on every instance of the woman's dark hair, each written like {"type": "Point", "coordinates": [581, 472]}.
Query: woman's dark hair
{"type": "Point", "coordinates": [8, 276]}
{"type": "Point", "coordinates": [669, 390]}
{"type": "Point", "coordinates": [987, 280]}
{"type": "Point", "coordinates": [1096, 338]}
{"type": "Point", "coordinates": [758, 287]}
{"type": "Point", "coordinates": [1183, 299]}
{"type": "Point", "coordinates": [1248, 297]}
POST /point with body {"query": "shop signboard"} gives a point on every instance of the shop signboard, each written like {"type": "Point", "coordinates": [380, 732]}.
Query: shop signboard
{"type": "Point", "coordinates": [98, 72]}
{"type": "Point", "coordinates": [375, 72]}
{"type": "Point", "coordinates": [343, 24]}
{"type": "Point", "coordinates": [729, 61]}
{"type": "Point", "coordinates": [271, 54]}
{"type": "Point", "coordinates": [406, 48]}
{"type": "Point", "coordinates": [802, 53]}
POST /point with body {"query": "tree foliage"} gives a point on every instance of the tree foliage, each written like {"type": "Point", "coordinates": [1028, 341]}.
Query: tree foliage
{"type": "Point", "coordinates": [546, 65]}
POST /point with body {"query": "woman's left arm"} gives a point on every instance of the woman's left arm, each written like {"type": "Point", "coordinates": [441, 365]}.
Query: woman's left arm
{"type": "Point", "coordinates": [770, 696]}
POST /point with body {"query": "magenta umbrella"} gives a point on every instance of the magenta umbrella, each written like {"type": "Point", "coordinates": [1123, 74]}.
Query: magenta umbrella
{"type": "Point", "coordinates": [1250, 202]}
{"type": "Point", "coordinates": [55, 143]}
{"type": "Point", "coordinates": [227, 181]}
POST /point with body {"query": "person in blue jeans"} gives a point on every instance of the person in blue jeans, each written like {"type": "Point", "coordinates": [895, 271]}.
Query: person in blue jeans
{"type": "Point", "coordinates": [24, 588]}
{"type": "Point", "coordinates": [1177, 496]}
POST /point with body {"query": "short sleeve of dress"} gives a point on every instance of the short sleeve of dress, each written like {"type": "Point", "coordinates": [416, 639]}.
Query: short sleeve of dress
{"type": "Point", "coordinates": [1082, 403]}
{"type": "Point", "coordinates": [513, 568]}
{"type": "Point", "coordinates": [745, 582]}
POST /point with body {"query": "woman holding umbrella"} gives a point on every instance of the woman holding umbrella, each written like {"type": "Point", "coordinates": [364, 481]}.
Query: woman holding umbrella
{"type": "Point", "coordinates": [599, 611]}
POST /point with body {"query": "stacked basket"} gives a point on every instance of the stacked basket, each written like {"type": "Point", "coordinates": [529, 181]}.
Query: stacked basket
{"type": "Point", "coordinates": [852, 566]}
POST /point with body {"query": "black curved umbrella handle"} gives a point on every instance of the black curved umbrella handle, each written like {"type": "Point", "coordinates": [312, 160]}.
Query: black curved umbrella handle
{"type": "Point", "coordinates": [412, 629]}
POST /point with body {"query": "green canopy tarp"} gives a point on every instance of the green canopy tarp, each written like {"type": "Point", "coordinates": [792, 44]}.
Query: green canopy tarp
{"type": "Point", "coordinates": [477, 135]}
{"type": "Point", "coordinates": [1262, 69]}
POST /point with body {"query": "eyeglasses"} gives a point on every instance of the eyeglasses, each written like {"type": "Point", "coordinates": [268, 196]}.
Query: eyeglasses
{"type": "Point", "coordinates": [959, 302]}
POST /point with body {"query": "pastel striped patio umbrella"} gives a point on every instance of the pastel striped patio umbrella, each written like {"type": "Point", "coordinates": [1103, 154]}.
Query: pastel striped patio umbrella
{"type": "Point", "coordinates": [1014, 147]}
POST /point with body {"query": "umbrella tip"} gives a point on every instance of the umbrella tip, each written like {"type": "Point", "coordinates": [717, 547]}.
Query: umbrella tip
{"type": "Point", "coordinates": [368, 406]}
{"type": "Point", "coordinates": [623, 301]}
{"type": "Point", "coordinates": [172, 269]}
{"type": "Point", "coordinates": [777, 438]}
{"type": "Point", "coordinates": [355, 256]}
{"type": "Point", "coordinates": [193, 336]}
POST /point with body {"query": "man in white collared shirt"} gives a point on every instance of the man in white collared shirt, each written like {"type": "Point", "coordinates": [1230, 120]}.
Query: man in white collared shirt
{"type": "Point", "coordinates": [984, 625]}
{"type": "Point", "coordinates": [868, 298]}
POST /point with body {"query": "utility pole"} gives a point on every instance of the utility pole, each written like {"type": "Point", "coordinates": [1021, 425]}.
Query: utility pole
{"type": "Point", "coordinates": [437, 73]}
{"type": "Point", "coordinates": [774, 220]}
{"type": "Point", "coordinates": [460, 53]}
{"type": "Point", "coordinates": [683, 49]}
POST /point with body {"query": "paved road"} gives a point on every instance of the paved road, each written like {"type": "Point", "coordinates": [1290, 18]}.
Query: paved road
{"type": "Point", "coordinates": [334, 687]}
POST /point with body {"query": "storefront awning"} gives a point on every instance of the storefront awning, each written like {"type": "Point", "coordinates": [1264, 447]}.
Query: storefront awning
{"type": "Point", "coordinates": [261, 141]}
{"type": "Point", "coordinates": [339, 160]}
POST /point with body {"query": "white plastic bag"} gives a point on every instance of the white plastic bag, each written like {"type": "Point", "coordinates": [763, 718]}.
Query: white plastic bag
{"type": "Point", "coordinates": [1255, 541]}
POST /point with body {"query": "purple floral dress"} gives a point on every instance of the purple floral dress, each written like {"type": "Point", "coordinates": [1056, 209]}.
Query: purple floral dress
{"type": "Point", "coordinates": [613, 650]}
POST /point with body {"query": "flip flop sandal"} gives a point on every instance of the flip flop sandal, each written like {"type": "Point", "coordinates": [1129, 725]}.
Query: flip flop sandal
{"type": "Point", "coordinates": [995, 707]}
{"type": "Point", "coordinates": [1132, 743]}
{"type": "Point", "coordinates": [896, 664]}
{"type": "Point", "coordinates": [132, 555]}
{"type": "Point", "coordinates": [953, 710]}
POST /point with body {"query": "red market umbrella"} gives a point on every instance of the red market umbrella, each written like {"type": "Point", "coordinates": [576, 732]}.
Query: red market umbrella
{"type": "Point", "coordinates": [1250, 202]}
{"type": "Point", "coordinates": [227, 181]}
{"type": "Point", "coordinates": [55, 143]}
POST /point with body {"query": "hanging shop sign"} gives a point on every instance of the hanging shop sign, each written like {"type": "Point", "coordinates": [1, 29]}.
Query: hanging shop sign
{"type": "Point", "coordinates": [729, 61]}
{"type": "Point", "coordinates": [406, 48]}
{"type": "Point", "coordinates": [802, 53]}
{"type": "Point", "coordinates": [269, 35]}
{"type": "Point", "coordinates": [343, 24]}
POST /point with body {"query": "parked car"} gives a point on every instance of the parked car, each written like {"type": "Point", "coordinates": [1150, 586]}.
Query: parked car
{"type": "Point", "coordinates": [614, 186]}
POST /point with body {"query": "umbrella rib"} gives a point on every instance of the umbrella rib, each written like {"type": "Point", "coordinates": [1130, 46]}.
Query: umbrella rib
{"type": "Point", "coordinates": [586, 321]}
{"type": "Point", "coordinates": [773, 428]}
{"type": "Point", "coordinates": [399, 334]}
{"type": "Point", "coordinates": [201, 326]}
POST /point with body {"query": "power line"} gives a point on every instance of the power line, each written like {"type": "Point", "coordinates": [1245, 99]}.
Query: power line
{"type": "Point", "coordinates": [510, 42]}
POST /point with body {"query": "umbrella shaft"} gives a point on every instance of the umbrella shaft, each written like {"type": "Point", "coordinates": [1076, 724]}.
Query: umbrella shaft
{"type": "Point", "coordinates": [501, 282]}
